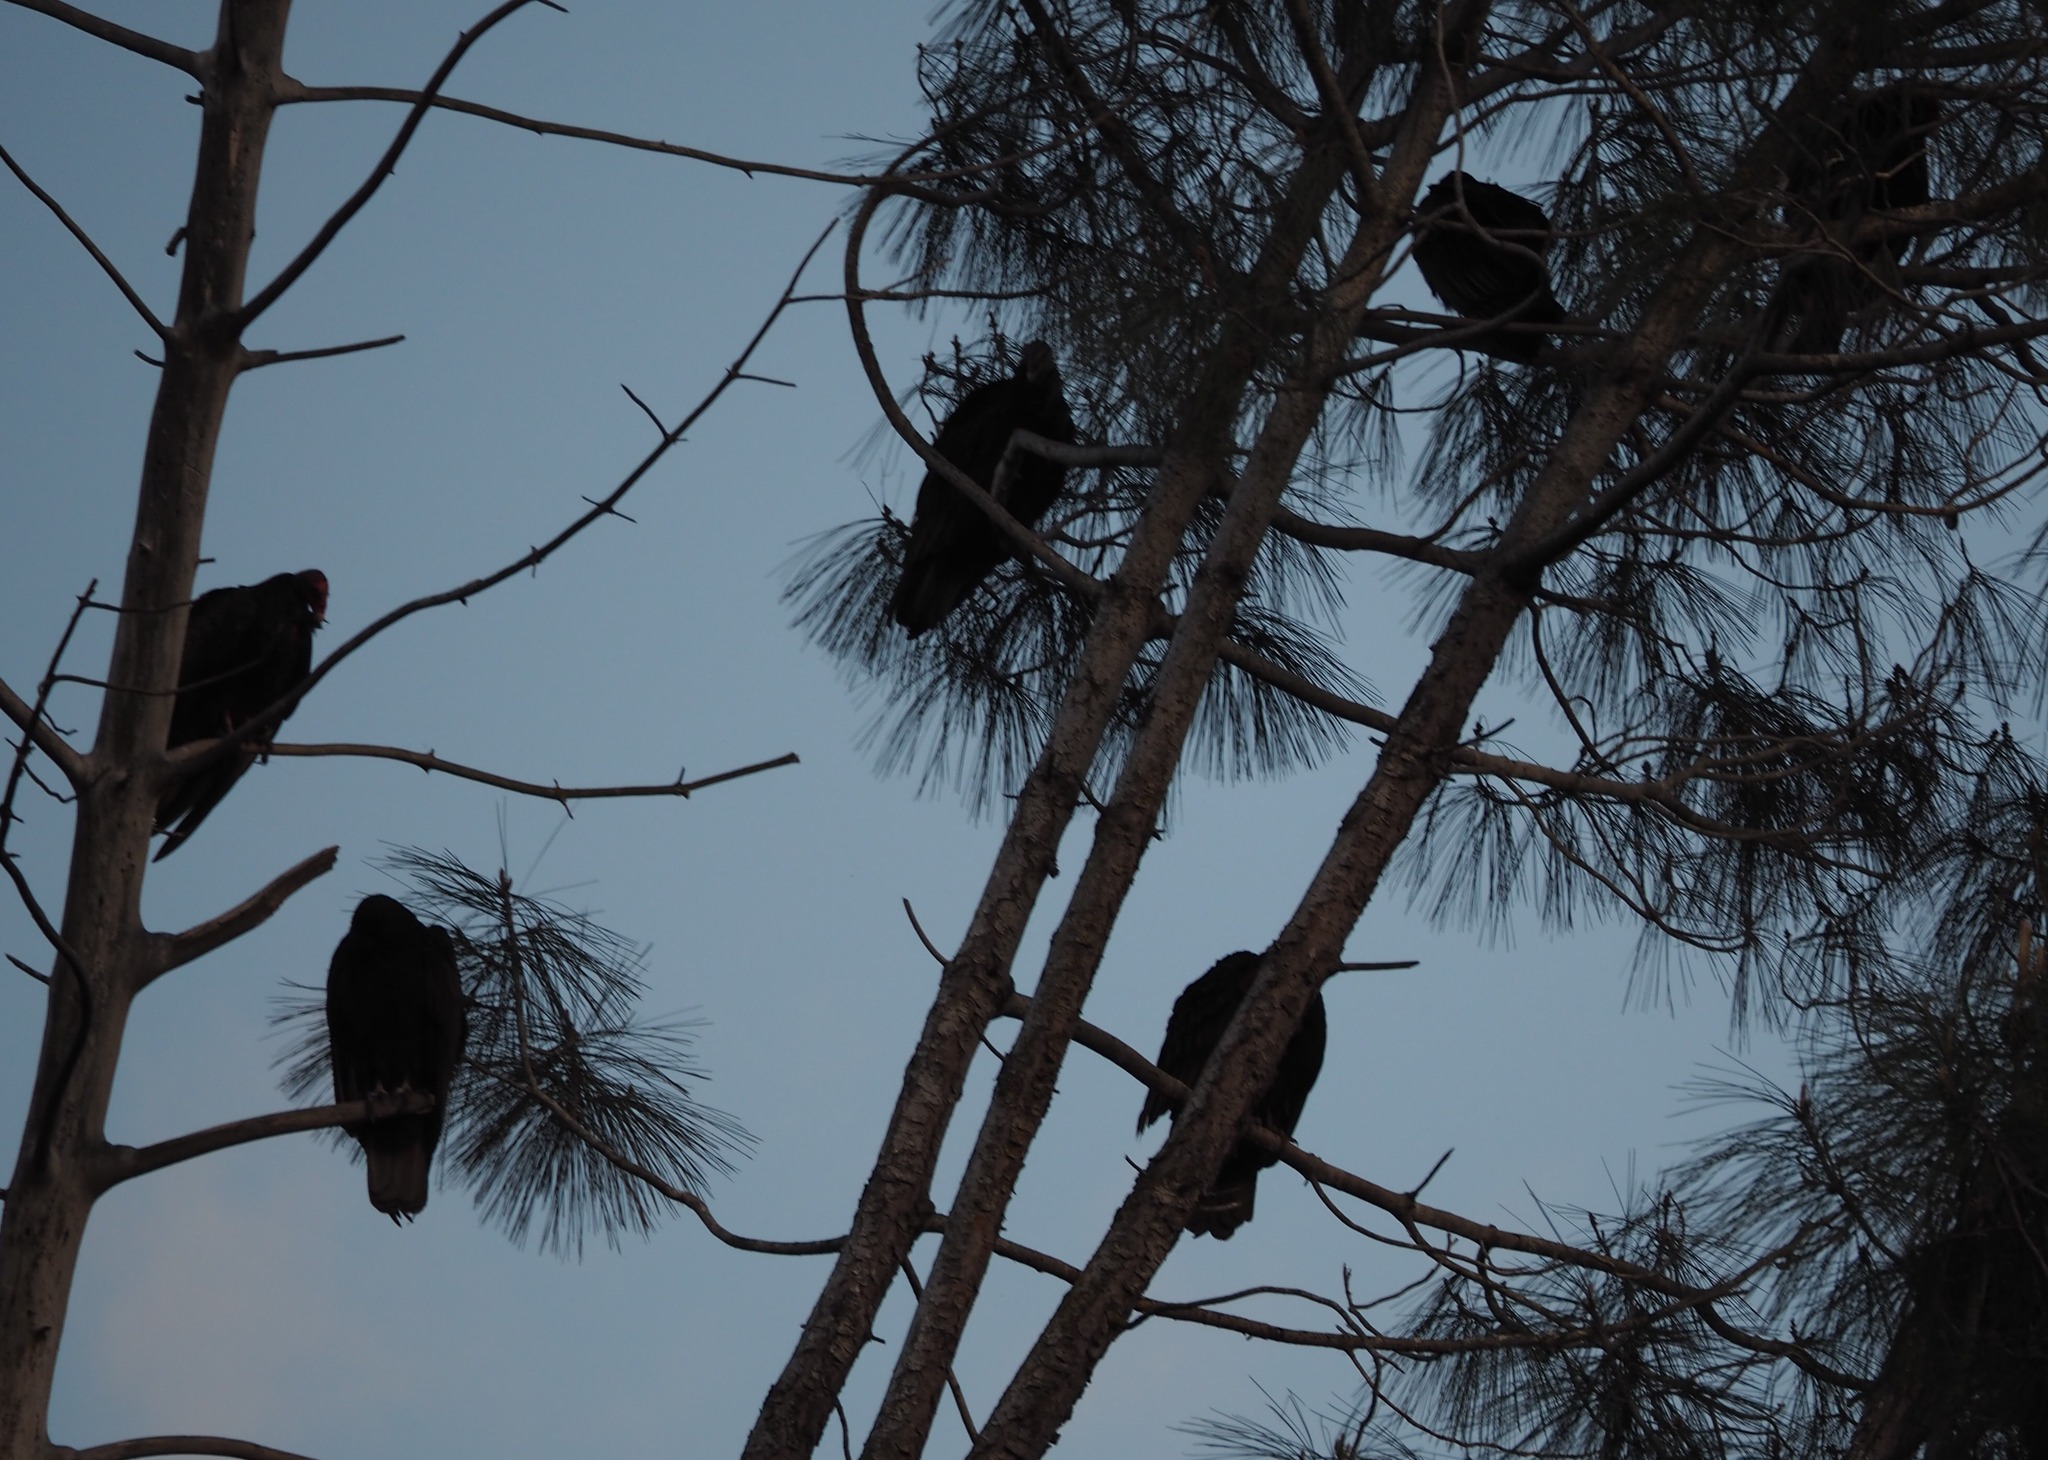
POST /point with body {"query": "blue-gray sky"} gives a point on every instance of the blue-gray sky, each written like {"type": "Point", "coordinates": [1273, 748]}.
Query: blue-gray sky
{"type": "Point", "coordinates": [256, 1293]}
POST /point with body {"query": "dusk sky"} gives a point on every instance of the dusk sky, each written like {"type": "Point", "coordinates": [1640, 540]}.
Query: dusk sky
{"type": "Point", "coordinates": [256, 1293]}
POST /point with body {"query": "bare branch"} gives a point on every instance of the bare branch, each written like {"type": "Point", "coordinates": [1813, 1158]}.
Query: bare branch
{"type": "Point", "coordinates": [41, 918]}
{"type": "Point", "coordinates": [124, 1163]}
{"type": "Point", "coordinates": [257, 359]}
{"type": "Point", "coordinates": [47, 740]}
{"type": "Point", "coordinates": [176, 950]}
{"type": "Point", "coordinates": [386, 165]}
{"type": "Point", "coordinates": [428, 761]}
{"type": "Point", "coordinates": [952, 1380]}
{"type": "Point", "coordinates": [119, 35]}
{"type": "Point", "coordinates": [35, 718]}
{"type": "Point", "coordinates": [295, 91]}
{"type": "Point", "coordinates": [177, 1445]}
{"type": "Point", "coordinates": [290, 91]}
{"type": "Point", "coordinates": [106, 264]}
{"type": "Point", "coordinates": [1345, 538]}
{"type": "Point", "coordinates": [35, 973]}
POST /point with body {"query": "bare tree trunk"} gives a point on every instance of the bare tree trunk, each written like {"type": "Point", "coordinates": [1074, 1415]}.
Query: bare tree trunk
{"type": "Point", "coordinates": [57, 1175]}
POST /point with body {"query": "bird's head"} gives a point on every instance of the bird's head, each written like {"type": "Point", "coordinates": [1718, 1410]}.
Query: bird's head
{"type": "Point", "coordinates": [378, 916]}
{"type": "Point", "coordinates": [313, 583]}
{"type": "Point", "coordinates": [1036, 363]}
{"type": "Point", "coordinates": [1445, 192]}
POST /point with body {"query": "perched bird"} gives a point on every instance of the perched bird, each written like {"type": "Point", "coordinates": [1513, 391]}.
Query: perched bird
{"type": "Point", "coordinates": [246, 648]}
{"type": "Point", "coordinates": [1200, 1015]}
{"type": "Point", "coordinates": [395, 1026]}
{"type": "Point", "coordinates": [1480, 249]}
{"type": "Point", "coordinates": [953, 546]}
{"type": "Point", "coordinates": [1873, 159]}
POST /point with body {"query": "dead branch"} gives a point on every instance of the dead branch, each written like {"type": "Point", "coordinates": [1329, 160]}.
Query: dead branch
{"type": "Point", "coordinates": [176, 1445]}
{"type": "Point", "coordinates": [119, 35]}
{"type": "Point", "coordinates": [176, 950]}
{"type": "Point", "coordinates": [35, 717]}
{"type": "Point", "coordinates": [295, 91]}
{"type": "Point", "coordinates": [386, 165]}
{"type": "Point", "coordinates": [85, 241]}
{"type": "Point", "coordinates": [41, 918]}
{"type": "Point", "coordinates": [427, 761]}
{"type": "Point", "coordinates": [257, 359]}
{"type": "Point", "coordinates": [952, 1380]}
{"type": "Point", "coordinates": [35, 973]}
{"type": "Point", "coordinates": [117, 1164]}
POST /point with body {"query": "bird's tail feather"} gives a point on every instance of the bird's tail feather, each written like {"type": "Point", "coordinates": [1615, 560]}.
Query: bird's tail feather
{"type": "Point", "coordinates": [927, 592]}
{"type": "Point", "coordinates": [398, 1179]}
{"type": "Point", "coordinates": [1224, 1208]}
{"type": "Point", "coordinates": [190, 802]}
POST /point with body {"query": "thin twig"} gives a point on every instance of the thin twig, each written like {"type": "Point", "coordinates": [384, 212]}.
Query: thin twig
{"type": "Point", "coordinates": [15, 708]}
{"type": "Point", "coordinates": [37, 974]}
{"type": "Point", "coordinates": [257, 359]}
{"type": "Point", "coordinates": [915, 183]}
{"type": "Point", "coordinates": [918, 928]}
{"type": "Point", "coordinates": [952, 1383]}
{"type": "Point", "coordinates": [428, 761]}
{"type": "Point", "coordinates": [37, 714]}
{"type": "Point", "coordinates": [106, 264]}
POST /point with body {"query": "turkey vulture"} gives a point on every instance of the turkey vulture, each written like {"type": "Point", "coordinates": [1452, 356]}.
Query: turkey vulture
{"type": "Point", "coordinates": [1480, 249]}
{"type": "Point", "coordinates": [1872, 161]}
{"type": "Point", "coordinates": [246, 648]}
{"type": "Point", "coordinates": [395, 1026]}
{"type": "Point", "coordinates": [953, 546]}
{"type": "Point", "coordinates": [1200, 1015]}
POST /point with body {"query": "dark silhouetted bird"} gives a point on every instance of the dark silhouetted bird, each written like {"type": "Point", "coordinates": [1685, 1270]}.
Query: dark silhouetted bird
{"type": "Point", "coordinates": [395, 1026]}
{"type": "Point", "coordinates": [953, 546]}
{"type": "Point", "coordinates": [1873, 161]}
{"type": "Point", "coordinates": [245, 649]}
{"type": "Point", "coordinates": [1480, 249]}
{"type": "Point", "coordinates": [1200, 1015]}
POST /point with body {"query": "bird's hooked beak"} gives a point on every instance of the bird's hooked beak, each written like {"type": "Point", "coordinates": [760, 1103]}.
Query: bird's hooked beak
{"type": "Point", "coordinates": [315, 583]}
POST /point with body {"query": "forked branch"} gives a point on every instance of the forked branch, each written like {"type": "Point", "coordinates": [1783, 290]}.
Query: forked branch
{"type": "Point", "coordinates": [386, 165]}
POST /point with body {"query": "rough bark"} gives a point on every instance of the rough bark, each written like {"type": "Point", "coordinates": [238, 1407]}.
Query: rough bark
{"type": "Point", "coordinates": [51, 1194]}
